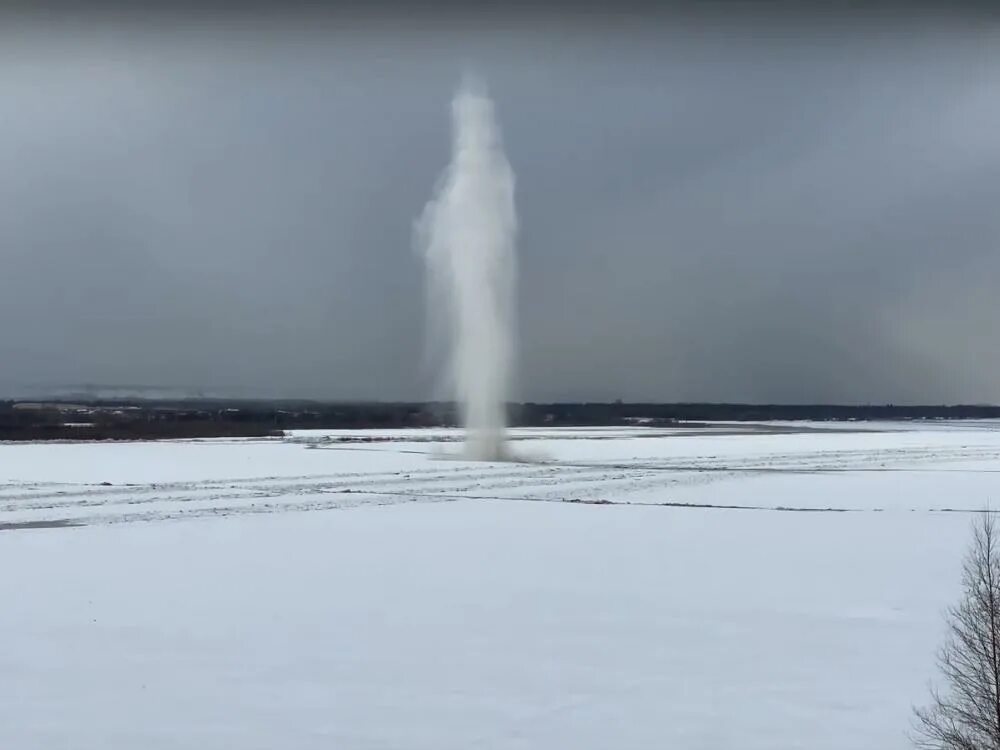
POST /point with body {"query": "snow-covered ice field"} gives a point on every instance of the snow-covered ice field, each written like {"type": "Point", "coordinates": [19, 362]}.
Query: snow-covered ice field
{"type": "Point", "coordinates": [777, 586]}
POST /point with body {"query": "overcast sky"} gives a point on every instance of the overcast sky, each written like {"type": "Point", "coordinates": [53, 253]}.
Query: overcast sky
{"type": "Point", "coordinates": [738, 212]}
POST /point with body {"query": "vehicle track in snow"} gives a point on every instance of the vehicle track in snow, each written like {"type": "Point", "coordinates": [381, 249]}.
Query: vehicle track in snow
{"type": "Point", "coordinates": [643, 480]}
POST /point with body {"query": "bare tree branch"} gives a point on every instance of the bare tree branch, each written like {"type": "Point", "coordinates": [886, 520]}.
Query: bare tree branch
{"type": "Point", "coordinates": [966, 716]}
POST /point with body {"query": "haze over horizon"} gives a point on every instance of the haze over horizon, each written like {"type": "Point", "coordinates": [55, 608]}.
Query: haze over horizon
{"type": "Point", "coordinates": [711, 212]}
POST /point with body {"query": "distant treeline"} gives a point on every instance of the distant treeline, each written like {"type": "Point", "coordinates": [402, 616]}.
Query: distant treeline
{"type": "Point", "coordinates": [621, 413]}
{"type": "Point", "coordinates": [134, 420]}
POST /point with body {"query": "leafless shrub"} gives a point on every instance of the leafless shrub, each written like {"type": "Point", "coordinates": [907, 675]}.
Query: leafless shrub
{"type": "Point", "coordinates": [966, 714]}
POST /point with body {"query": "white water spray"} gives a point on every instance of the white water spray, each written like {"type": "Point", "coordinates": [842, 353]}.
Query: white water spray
{"type": "Point", "coordinates": [466, 235]}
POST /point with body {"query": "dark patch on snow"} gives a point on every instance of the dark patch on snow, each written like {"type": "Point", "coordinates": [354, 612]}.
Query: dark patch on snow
{"type": "Point", "coordinates": [62, 523]}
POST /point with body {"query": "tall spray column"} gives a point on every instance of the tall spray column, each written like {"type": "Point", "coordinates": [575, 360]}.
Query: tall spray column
{"type": "Point", "coordinates": [467, 238]}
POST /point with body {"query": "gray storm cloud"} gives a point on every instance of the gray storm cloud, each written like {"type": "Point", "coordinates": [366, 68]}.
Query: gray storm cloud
{"type": "Point", "coordinates": [705, 214]}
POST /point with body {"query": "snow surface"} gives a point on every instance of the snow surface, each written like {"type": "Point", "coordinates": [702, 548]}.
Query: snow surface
{"type": "Point", "coordinates": [437, 604]}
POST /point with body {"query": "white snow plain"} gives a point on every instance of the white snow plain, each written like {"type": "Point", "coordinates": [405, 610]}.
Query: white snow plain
{"type": "Point", "coordinates": [769, 586]}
